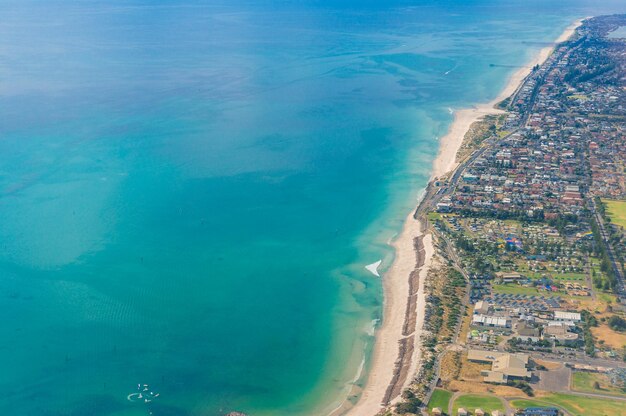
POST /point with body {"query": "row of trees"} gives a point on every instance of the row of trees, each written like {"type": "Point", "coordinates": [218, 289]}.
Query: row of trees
{"type": "Point", "coordinates": [589, 321]}
{"type": "Point", "coordinates": [601, 252]}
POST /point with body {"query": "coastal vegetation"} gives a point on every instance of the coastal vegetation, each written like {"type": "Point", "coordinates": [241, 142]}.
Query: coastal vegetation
{"type": "Point", "coordinates": [410, 403]}
{"type": "Point", "coordinates": [446, 288]}
{"type": "Point", "coordinates": [478, 132]}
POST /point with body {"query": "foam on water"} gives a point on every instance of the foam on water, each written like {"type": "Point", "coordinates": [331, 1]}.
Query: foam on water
{"type": "Point", "coordinates": [373, 268]}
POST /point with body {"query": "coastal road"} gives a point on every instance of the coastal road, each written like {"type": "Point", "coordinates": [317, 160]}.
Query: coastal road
{"type": "Point", "coordinates": [490, 142]}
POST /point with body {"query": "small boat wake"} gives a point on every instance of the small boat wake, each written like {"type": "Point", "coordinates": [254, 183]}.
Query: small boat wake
{"type": "Point", "coordinates": [373, 268]}
{"type": "Point", "coordinates": [450, 70]}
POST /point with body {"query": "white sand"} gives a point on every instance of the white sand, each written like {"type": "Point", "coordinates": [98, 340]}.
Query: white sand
{"type": "Point", "coordinates": [396, 290]}
{"type": "Point", "coordinates": [396, 280]}
{"type": "Point", "coordinates": [429, 251]}
{"type": "Point", "coordinates": [463, 119]}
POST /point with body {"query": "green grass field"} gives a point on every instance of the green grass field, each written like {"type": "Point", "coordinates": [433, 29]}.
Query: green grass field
{"type": "Point", "coordinates": [516, 289]}
{"type": "Point", "coordinates": [607, 297]}
{"type": "Point", "coordinates": [577, 405]}
{"type": "Point", "coordinates": [569, 276]}
{"type": "Point", "coordinates": [522, 404]}
{"type": "Point", "coordinates": [584, 382]}
{"type": "Point", "coordinates": [475, 401]}
{"type": "Point", "coordinates": [616, 211]}
{"type": "Point", "coordinates": [440, 398]}
{"type": "Point", "coordinates": [434, 216]}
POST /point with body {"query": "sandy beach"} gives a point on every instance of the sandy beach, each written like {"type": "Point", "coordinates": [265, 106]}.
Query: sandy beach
{"type": "Point", "coordinates": [397, 280]}
{"type": "Point", "coordinates": [396, 290]}
{"type": "Point", "coordinates": [463, 119]}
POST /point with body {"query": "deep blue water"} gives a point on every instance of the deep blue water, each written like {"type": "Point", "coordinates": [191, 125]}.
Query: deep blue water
{"type": "Point", "coordinates": [189, 193]}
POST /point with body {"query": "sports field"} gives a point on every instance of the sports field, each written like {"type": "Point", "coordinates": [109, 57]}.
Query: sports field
{"type": "Point", "coordinates": [616, 211]}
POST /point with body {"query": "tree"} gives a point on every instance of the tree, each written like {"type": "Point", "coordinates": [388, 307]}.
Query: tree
{"type": "Point", "coordinates": [617, 323]}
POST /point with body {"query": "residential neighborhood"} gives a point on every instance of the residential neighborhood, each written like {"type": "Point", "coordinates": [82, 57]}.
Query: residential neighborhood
{"type": "Point", "coordinates": [531, 236]}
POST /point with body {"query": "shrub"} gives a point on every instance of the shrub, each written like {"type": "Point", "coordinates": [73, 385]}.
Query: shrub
{"type": "Point", "coordinates": [617, 323]}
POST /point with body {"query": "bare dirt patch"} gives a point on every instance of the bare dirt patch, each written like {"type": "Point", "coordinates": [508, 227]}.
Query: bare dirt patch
{"type": "Point", "coordinates": [550, 365]}
{"type": "Point", "coordinates": [450, 366]}
{"type": "Point", "coordinates": [471, 371]}
{"type": "Point", "coordinates": [610, 337]}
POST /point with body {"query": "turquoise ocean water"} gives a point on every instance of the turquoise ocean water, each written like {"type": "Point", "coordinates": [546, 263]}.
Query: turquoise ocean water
{"type": "Point", "coordinates": [189, 192]}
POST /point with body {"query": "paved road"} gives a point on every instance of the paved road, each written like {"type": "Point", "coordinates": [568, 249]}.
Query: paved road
{"type": "Point", "coordinates": [599, 362]}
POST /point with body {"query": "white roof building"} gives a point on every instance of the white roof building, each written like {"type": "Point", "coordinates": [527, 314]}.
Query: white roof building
{"type": "Point", "coordinates": [487, 320]}
{"type": "Point", "coordinates": [566, 316]}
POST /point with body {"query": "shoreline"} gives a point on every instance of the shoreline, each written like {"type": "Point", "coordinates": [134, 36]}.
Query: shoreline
{"type": "Point", "coordinates": [391, 370]}
{"type": "Point", "coordinates": [450, 143]}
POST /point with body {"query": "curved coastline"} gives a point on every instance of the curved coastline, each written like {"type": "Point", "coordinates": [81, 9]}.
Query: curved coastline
{"type": "Point", "coordinates": [396, 352]}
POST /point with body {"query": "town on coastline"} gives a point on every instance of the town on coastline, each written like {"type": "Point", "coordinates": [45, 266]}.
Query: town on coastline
{"type": "Point", "coordinates": [525, 294]}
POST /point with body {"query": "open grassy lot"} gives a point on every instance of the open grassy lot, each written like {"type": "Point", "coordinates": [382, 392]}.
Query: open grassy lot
{"type": "Point", "coordinates": [616, 211]}
{"type": "Point", "coordinates": [471, 370]}
{"type": "Point", "coordinates": [611, 338]}
{"type": "Point", "coordinates": [570, 276]}
{"type": "Point", "coordinates": [585, 406]}
{"type": "Point", "coordinates": [606, 297]}
{"type": "Point", "coordinates": [475, 401]}
{"type": "Point", "coordinates": [474, 387]}
{"type": "Point", "coordinates": [516, 289]}
{"type": "Point", "coordinates": [440, 398]}
{"type": "Point", "coordinates": [434, 216]}
{"type": "Point", "coordinates": [585, 382]}
{"type": "Point", "coordinates": [523, 403]}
